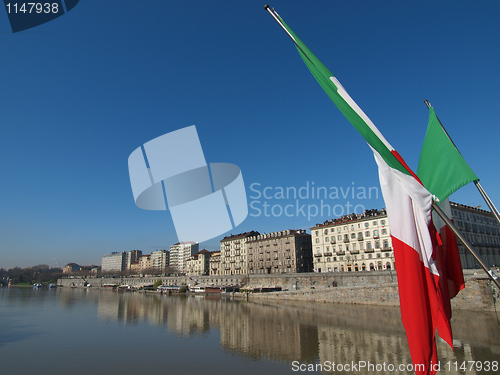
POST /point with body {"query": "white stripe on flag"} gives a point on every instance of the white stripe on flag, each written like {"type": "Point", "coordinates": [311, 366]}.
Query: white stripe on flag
{"type": "Point", "coordinates": [408, 206]}
{"type": "Point", "coordinates": [343, 93]}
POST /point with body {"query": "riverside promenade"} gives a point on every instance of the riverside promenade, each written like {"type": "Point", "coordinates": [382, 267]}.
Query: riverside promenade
{"type": "Point", "coordinates": [367, 288]}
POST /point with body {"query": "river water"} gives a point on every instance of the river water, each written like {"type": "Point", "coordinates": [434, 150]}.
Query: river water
{"type": "Point", "coordinates": [92, 331]}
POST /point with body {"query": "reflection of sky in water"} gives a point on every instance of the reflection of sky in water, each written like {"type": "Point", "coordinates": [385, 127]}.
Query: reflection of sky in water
{"type": "Point", "coordinates": [102, 331]}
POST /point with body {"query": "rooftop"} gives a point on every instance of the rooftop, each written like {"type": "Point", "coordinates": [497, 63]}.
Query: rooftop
{"type": "Point", "coordinates": [351, 218]}
{"type": "Point", "coordinates": [241, 235]}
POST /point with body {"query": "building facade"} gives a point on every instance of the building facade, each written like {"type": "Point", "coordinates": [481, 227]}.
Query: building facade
{"type": "Point", "coordinates": [355, 242]}
{"type": "Point", "coordinates": [132, 257]}
{"type": "Point", "coordinates": [160, 260]}
{"type": "Point", "coordinates": [71, 267]}
{"type": "Point", "coordinates": [285, 251]}
{"type": "Point", "coordinates": [180, 253]}
{"type": "Point", "coordinates": [234, 255]}
{"type": "Point", "coordinates": [199, 264]}
{"type": "Point", "coordinates": [481, 230]}
{"type": "Point", "coordinates": [114, 262]}
{"type": "Point", "coordinates": [145, 263]}
{"type": "Point", "coordinates": [214, 263]}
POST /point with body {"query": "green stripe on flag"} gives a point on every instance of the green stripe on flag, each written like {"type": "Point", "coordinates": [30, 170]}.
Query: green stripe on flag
{"type": "Point", "coordinates": [441, 167]}
{"type": "Point", "coordinates": [322, 75]}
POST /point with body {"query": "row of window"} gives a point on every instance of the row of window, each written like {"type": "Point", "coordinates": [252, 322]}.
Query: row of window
{"type": "Point", "coordinates": [358, 235]}
{"type": "Point", "coordinates": [473, 217]}
{"type": "Point", "coordinates": [359, 226]}
{"type": "Point", "coordinates": [349, 258]}
{"type": "Point", "coordinates": [356, 267]}
{"type": "Point", "coordinates": [354, 246]}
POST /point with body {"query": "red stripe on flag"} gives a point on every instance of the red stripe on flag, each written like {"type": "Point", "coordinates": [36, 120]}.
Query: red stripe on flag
{"type": "Point", "coordinates": [401, 160]}
{"type": "Point", "coordinates": [451, 278]}
{"type": "Point", "coordinates": [419, 306]}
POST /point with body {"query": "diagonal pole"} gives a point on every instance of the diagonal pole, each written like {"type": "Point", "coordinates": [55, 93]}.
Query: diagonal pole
{"type": "Point", "coordinates": [469, 247]}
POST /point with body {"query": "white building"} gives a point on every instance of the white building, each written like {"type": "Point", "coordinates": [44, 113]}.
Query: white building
{"type": "Point", "coordinates": [482, 231]}
{"type": "Point", "coordinates": [234, 253]}
{"type": "Point", "coordinates": [199, 263]}
{"type": "Point", "coordinates": [353, 243]}
{"type": "Point", "coordinates": [114, 262]}
{"type": "Point", "coordinates": [180, 253]}
{"type": "Point", "coordinates": [160, 259]}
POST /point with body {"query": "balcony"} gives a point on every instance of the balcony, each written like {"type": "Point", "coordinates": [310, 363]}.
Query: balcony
{"type": "Point", "coordinates": [346, 240]}
{"type": "Point", "coordinates": [327, 254]}
{"type": "Point", "coordinates": [369, 250]}
{"type": "Point", "coordinates": [360, 237]}
{"type": "Point", "coordinates": [354, 251]}
{"type": "Point", "coordinates": [318, 255]}
{"type": "Point", "coordinates": [341, 252]}
{"type": "Point", "coordinates": [386, 248]}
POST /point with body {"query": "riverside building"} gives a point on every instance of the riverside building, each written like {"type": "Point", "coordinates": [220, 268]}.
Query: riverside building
{"type": "Point", "coordinates": [180, 253]}
{"type": "Point", "coordinates": [482, 231]}
{"type": "Point", "coordinates": [160, 260]}
{"type": "Point", "coordinates": [114, 262]}
{"type": "Point", "coordinates": [234, 256]}
{"type": "Point", "coordinates": [199, 264]}
{"type": "Point", "coordinates": [214, 263]}
{"type": "Point", "coordinates": [132, 257]}
{"type": "Point", "coordinates": [285, 251]}
{"type": "Point", "coordinates": [355, 242]}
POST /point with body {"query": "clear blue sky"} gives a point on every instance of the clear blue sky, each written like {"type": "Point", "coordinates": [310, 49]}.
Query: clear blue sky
{"type": "Point", "coordinates": [80, 93]}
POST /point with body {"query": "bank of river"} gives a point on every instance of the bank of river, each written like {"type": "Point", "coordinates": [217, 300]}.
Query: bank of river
{"type": "Point", "coordinates": [366, 288]}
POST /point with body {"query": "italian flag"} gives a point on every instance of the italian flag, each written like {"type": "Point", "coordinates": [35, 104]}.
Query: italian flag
{"type": "Point", "coordinates": [408, 206]}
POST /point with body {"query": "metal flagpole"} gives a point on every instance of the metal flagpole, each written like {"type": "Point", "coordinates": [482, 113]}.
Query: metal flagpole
{"type": "Point", "coordinates": [273, 13]}
{"type": "Point", "coordinates": [476, 182]}
{"type": "Point", "coordinates": [488, 200]}
{"type": "Point", "coordinates": [450, 224]}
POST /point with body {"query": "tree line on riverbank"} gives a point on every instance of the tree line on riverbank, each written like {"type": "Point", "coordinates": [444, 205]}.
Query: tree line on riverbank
{"type": "Point", "coordinates": [41, 273]}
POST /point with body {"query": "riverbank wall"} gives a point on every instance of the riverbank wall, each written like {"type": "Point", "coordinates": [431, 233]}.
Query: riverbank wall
{"type": "Point", "coordinates": [367, 288]}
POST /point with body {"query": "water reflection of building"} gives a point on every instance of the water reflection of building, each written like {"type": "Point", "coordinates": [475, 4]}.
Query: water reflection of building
{"type": "Point", "coordinates": [261, 331]}
{"type": "Point", "coordinates": [348, 336]}
{"type": "Point", "coordinates": [129, 308]}
{"type": "Point", "coordinates": [187, 316]}
{"type": "Point", "coordinates": [297, 332]}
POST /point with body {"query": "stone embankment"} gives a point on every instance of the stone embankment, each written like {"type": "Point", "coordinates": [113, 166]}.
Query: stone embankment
{"type": "Point", "coordinates": [479, 294]}
{"type": "Point", "coordinates": [367, 288]}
